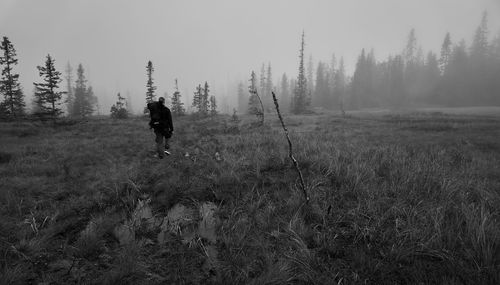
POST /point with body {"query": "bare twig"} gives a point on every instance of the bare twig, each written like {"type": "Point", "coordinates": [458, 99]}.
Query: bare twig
{"type": "Point", "coordinates": [290, 149]}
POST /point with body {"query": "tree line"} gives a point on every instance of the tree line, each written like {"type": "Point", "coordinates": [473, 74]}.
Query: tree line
{"type": "Point", "coordinates": [459, 75]}
{"type": "Point", "coordinates": [48, 100]}
{"type": "Point", "coordinates": [79, 101]}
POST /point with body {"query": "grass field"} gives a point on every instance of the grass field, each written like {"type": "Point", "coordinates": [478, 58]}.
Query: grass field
{"type": "Point", "coordinates": [407, 198]}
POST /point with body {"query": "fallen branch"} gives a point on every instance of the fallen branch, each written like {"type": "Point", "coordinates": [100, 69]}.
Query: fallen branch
{"type": "Point", "coordinates": [290, 149]}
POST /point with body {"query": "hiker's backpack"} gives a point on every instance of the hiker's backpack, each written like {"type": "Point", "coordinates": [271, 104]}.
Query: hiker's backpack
{"type": "Point", "coordinates": [154, 113]}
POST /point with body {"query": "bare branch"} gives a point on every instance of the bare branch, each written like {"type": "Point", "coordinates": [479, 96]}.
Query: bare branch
{"type": "Point", "coordinates": [290, 148]}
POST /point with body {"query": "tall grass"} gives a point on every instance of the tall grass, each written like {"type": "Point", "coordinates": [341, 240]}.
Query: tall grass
{"type": "Point", "coordinates": [407, 198]}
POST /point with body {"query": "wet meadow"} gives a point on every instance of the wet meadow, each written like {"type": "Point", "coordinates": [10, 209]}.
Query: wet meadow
{"type": "Point", "coordinates": [395, 198]}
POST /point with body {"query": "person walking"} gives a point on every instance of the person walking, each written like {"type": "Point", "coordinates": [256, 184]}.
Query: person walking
{"type": "Point", "coordinates": [161, 123]}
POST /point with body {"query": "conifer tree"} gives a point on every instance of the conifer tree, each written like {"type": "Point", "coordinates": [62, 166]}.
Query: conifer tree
{"type": "Point", "coordinates": [322, 92]}
{"type": "Point", "coordinates": [213, 106]}
{"type": "Point", "coordinates": [205, 100]}
{"type": "Point", "coordinates": [445, 53]}
{"type": "Point", "coordinates": [410, 52]}
{"type": "Point", "coordinates": [13, 103]}
{"type": "Point", "coordinates": [285, 92]}
{"type": "Point", "coordinates": [48, 98]}
{"type": "Point", "coordinates": [479, 48]}
{"type": "Point", "coordinates": [268, 100]}
{"type": "Point", "coordinates": [262, 83]}
{"type": "Point", "coordinates": [85, 101]}
{"type": "Point", "coordinates": [119, 110]}
{"type": "Point", "coordinates": [301, 101]}
{"type": "Point", "coordinates": [432, 75]}
{"type": "Point", "coordinates": [150, 88]}
{"type": "Point", "coordinates": [254, 100]}
{"type": "Point", "coordinates": [358, 82]}
{"type": "Point", "coordinates": [128, 103]}
{"type": "Point", "coordinates": [177, 105]}
{"type": "Point", "coordinates": [70, 96]}
{"type": "Point", "coordinates": [310, 75]}
{"type": "Point", "coordinates": [197, 98]}
{"type": "Point", "coordinates": [340, 85]}
{"type": "Point", "coordinates": [242, 98]}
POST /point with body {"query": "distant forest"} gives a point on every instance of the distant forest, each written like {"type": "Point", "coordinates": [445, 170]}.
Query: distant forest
{"type": "Point", "coordinates": [460, 75]}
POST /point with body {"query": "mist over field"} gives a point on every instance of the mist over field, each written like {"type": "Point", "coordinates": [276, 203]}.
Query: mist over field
{"type": "Point", "coordinates": [222, 41]}
{"type": "Point", "coordinates": [250, 142]}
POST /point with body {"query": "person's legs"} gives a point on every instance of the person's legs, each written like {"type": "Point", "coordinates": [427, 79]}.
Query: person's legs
{"type": "Point", "coordinates": [167, 146]}
{"type": "Point", "coordinates": [168, 135]}
{"type": "Point", "coordinates": [159, 142]}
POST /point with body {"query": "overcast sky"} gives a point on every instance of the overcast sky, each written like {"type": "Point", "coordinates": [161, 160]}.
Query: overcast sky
{"type": "Point", "coordinates": [219, 41]}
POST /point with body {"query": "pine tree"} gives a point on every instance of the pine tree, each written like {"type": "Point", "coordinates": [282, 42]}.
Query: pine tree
{"type": "Point", "coordinates": [177, 105]}
{"type": "Point", "coordinates": [70, 96]}
{"type": "Point", "coordinates": [242, 98]}
{"type": "Point", "coordinates": [479, 48]}
{"type": "Point", "coordinates": [339, 85]}
{"type": "Point", "coordinates": [358, 82]}
{"type": "Point", "coordinates": [432, 75]}
{"type": "Point", "coordinates": [457, 83]}
{"type": "Point", "coordinates": [205, 100]}
{"type": "Point", "coordinates": [13, 104]}
{"type": "Point", "coordinates": [150, 88]}
{"type": "Point", "coordinates": [119, 110]}
{"type": "Point", "coordinates": [410, 52]}
{"type": "Point", "coordinates": [396, 84]}
{"type": "Point", "coordinates": [321, 91]}
{"type": "Point", "coordinates": [48, 98]}
{"type": "Point", "coordinates": [445, 53]}
{"type": "Point", "coordinates": [85, 101]}
{"type": "Point", "coordinates": [268, 100]}
{"type": "Point", "coordinates": [301, 101]}
{"type": "Point", "coordinates": [413, 67]}
{"type": "Point", "coordinates": [285, 92]}
{"type": "Point", "coordinates": [310, 75]}
{"type": "Point", "coordinates": [213, 106]}
{"type": "Point", "coordinates": [197, 98]}
{"type": "Point", "coordinates": [128, 103]}
{"type": "Point", "coordinates": [254, 100]}
{"type": "Point", "coordinates": [262, 83]}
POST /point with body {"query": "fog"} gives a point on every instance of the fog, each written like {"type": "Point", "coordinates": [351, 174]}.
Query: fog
{"type": "Point", "coordinates": [219, 41]}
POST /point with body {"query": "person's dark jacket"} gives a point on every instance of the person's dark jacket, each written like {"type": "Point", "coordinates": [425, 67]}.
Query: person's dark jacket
{"type": "Point", "coordinates": [165, 121]}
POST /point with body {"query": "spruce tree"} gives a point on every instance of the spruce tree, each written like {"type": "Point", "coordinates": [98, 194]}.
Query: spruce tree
{"type": "Point", "coordinates": [197, 98]}
{"type": "Point", "coordinates": [119, 110]}
{"type": "Point", "coordinates": [445, 53]}
{"type": "Point", "coordinates": [85, 101]}
{"type": "Point", "coordinates": [70, 96]}
{"type": "Point", "coordinates": [310, 75]}
{"type": "Point", "coordinates": [255, 105]}
{"type": "Point", "coordinates": [48, 98]}
{"type": "Point", "coordinates": [322, 92]}
{"type": "Point", "coordinates": [177, 105]}
{"type": "Point", "coordinates": [150, 88]}
{"type": "Point", "coordinates": [340, 85]}
{"type": "Point", "coordinates": [431, 76]}
{"type": "Point", "coordinates": [301, 101]}
{"type": "Point", "coordinates": [13, 104]}
{"type": "Point", "coordinates": [242, 98]}
{"type": "Point", "coordinates": [204, 104]}
{"type": "Point", "coordinates": [285, 92]}
{"type": "Point", "coordinates": [213, 106]}
{"type": "Point", "coordinates": [268, 100]}
{"type": "Point", "coordinates": [479, 48]}
{"type": "Point", "coordinates": [358, 82]}
{"type": "Point", "coordinates": [410, 52]}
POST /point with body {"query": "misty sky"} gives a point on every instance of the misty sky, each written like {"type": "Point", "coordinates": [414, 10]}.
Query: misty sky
{"type": "Point", "coordinates": [219, 41]}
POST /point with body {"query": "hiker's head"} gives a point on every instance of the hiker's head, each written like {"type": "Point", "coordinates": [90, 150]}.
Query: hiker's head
{"type": "Point", "coordinates": [161, 100]}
